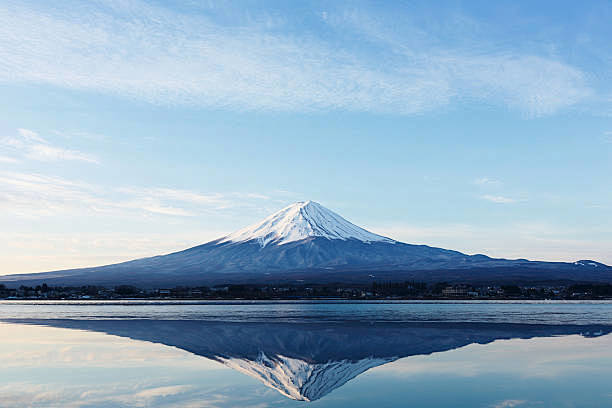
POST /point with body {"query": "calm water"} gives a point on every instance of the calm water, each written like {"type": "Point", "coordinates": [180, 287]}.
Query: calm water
{"type": "Point", "coordinates": [328, 354]}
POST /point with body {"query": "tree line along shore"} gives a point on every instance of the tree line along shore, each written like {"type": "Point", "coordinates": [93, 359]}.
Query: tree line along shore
{"type": "Point", "coordinates": [375, 290]}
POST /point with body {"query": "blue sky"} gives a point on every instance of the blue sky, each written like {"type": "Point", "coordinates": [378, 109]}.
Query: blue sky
{"type": "Point", "coordinates": [134, 128]}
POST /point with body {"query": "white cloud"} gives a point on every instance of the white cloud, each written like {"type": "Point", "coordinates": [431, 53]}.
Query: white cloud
{"type": "Point", "coordinates": [486, 182]}
{"type": "Point", "coordinates": [511, 403]}
{"type": "Point", "coordinates": [179, 195]}
{"type": "Point", "coordinates": [30, 135]}
{"type": "Point", "coordinates": [498, 199]}
{"type": "Point", "coordinates": [44, 152]}
{"type": "Point", "coordinates": [136, 50]}
{"type": "Point", "coordinates": [537, 85]}
{"type": "Point", "coordinates": [6, 159]}
{"type": "Point", "coordinates": [36, 195]}
{"type": "Point", "coordinates": [152, 393]}
{"type": "Point", "coordinates": [32, 195]}
{"type": "Point", "coordinates": [32, 146]}
{"type": "Point", "coordinates": [80, 135]}
{"type": "Point", "coordinates": [72, 221]}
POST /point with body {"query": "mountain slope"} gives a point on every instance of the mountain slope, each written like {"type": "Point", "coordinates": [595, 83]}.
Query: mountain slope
{"type": "Point", "coordinates": [309, 242]}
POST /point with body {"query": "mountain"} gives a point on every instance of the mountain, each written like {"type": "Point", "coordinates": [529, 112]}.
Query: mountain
{"type": "Point", "coordinates": [306, 361]}
{"type": "Point", "coordinates": [300, 221]}
{"type": "Point", "coordinates": [307, 242]}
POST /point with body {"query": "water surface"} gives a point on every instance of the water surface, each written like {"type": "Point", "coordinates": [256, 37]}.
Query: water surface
{"type": "Point", "coordinates": [328, 354]}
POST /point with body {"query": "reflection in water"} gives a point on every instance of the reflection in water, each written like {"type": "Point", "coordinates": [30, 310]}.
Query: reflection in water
{"type": "Point", "coordinates": [309, 360]}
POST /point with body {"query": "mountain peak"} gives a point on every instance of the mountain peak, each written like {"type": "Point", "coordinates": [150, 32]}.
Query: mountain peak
{"type": "Point", "coordinates": [301, 220]}
{"type": "Point", "coordinates": [304, 203]}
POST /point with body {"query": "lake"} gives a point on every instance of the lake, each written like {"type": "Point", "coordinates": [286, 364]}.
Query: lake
{"type": "Point", "coordinates": [305, 353]}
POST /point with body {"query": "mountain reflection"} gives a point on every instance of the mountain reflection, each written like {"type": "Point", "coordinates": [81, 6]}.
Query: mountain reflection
{"type": "Point", "coordinates": [307, 361]}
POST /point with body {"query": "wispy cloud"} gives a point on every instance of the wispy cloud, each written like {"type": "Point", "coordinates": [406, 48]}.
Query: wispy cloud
{"type": "Point", "coordinates": [136, 50]}
{"type": "Point", "coordinates": [30, 135]}
{"type": "Point", "coordinates": [36, 195]}
{"type": "Point", "coordinates": [6, 159]}
{"type": "Point", "coordinates": [81, 135]}
{"type": "Point", "coordinates": [49, 199]}
{"type": "Point", "coordinates": [31, 145]}
{"type": "Point", "coordinates": [32, 195]}
{"type": "Point", "coordinates": [498, 199]}
{"type": "Point", "coordinates": [45, 152]}
{"type": "Point", "coordinates": [493, 189]}
{"type": "Point", "coordinates": [487, 182]}
{"type": "Point", "coordinates": [215, 199]}
{"type": "Point", "coordinates": [607, 136]}
{"type": "Point", "coordinates": [152, 393]}
{"type": "Point", "coordinates": [511, 403]}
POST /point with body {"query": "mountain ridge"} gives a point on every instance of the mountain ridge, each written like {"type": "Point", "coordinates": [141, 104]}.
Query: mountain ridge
{"type": "Point", "coordinates": [311, 241]}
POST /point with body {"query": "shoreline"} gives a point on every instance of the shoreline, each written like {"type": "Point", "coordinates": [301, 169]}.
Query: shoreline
{"type": "Point", "coordinates": [191, 301]}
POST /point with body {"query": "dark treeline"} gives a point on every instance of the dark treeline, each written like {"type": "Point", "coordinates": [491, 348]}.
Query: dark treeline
{"type": "Point", "coordinates": [375, 290]}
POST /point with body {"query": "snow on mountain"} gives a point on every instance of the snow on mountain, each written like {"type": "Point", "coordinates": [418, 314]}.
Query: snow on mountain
{"type": "Point", "coordinates": [298, 379]}
{"type": "Point", "coordinates": [299, 221]}
{"type": "Point", "coordinates": [309, 242]}
{"type": "Point", "coordinates": [588, 263]}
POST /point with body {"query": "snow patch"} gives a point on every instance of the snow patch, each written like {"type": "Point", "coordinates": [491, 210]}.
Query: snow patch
{"type": "Point", "coordinates": [299, 221]}
{"type": "Point", "coordinates": [585, 263]}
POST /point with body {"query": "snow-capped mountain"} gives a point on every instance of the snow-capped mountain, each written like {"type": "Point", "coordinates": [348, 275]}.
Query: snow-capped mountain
{"type": "Point", "coordinates": [299, 221]}
{"type": "Point", "coordinates": [307, 242]}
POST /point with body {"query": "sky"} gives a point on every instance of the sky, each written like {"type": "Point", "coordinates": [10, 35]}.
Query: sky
{"type": "Point", "coordinates": [131, 129]}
